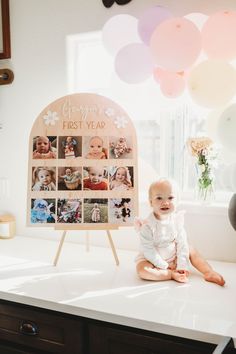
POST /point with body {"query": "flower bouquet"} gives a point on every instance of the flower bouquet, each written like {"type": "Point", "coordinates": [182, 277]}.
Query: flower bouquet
{"type": "Point", "coordinates": [205, 154]}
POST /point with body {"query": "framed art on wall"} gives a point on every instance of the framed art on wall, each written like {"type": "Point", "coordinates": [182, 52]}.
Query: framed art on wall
{"type": "Point", "coordinates": [5, 45]}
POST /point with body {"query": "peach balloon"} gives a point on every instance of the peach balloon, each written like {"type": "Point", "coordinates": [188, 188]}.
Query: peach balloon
{"type": "Point", "coordinates": [158, 74]}
{"type": "Point", "coordinates": [218, 35]}
{"type": "Point", "coordinates": [172, 84]}
{"type": "Point", "coordinates": [119, 31]}
{"type": "Point", "coordinates": [212, 83]}
{"type": "Point", "coordinates": [176, 44]}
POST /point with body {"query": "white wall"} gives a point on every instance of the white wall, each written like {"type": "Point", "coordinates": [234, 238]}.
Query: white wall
{"type": "Point", "coordinates": [38, 33]}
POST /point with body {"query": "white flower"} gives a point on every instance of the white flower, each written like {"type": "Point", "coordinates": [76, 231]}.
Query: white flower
{"type": "Point", "coordinates": [120, 122]}
{"type": "Point", "coordinates": [110, 112]}
{"type": "Point", "coordinates": [50, 118]}
{"type": "Point", "coordinates": [202, 167]}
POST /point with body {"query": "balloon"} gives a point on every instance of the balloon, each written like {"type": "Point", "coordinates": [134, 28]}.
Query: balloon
{"type": "Point", "coordinates": [197, 18]}
{"type": "Point", "coordinates": [175, 44]}
{"type": "Point", "coordinates": [172, 84]}
{"type": "Point", "coordinates": [218, 35]}
{"type": "Point", "coordinates": [227, 128]}
{"type": "Point", "coordinates": [149, 20]}
{"type": "Point", "coordinates": [232, 211]}
{"type": "Point", "coordinates": [158, 74]}
{"type": "Point", "coordinates": [119, 31]}
{"type": "Point", "coordinates": [133, 63]}
{"type": "Point", "coordinates": [212, 83]}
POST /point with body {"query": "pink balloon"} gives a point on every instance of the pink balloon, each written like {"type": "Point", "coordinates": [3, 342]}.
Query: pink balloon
{"type": "Point", "coordinates": [176, 44]}
{"type": "Point", "coordinates": [149, 20]}
{"type": "Point", "coordinates": [172, 84]}
{"type": "Point", "coordinates": [218, 35]}
{"type": "Point", "coordinates": [133, 63]}
{"type": "Point", "coordinates": [158, 74]}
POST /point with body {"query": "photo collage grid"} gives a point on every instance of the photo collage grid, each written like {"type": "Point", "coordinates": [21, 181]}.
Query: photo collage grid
{"type": "Point", "coordinates": [82, 164]}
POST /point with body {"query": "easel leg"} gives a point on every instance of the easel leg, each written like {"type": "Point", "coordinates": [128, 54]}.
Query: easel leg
{"type": "Point", "coordinates": [113, 247]}
{"type": "Point", "coordinates": [59, 248]}
{"type": "Point", "coordinates": [87, 240]}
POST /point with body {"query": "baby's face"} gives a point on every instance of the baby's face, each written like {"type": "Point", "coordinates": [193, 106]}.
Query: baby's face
{"type": "Point", "coordinates": [96, 175]}
{"type": "Point", "coordinates": [96, 145]}
{"type": "Point", "coordinates": [42, 145]}
{"type": "Point", "coordinates": [120, 174]}
{"type": "Point", "coordinates": [163, 199]}
{"type": "Point", "coordinates": [68, 172]}
{"type": "Point", "coordinates": [44, 177]}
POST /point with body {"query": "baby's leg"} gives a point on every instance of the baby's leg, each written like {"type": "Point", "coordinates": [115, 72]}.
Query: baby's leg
{"type": "Point", "coordinates": [148, 271]}
{"type": "Point", "coordinates": [202, 266]}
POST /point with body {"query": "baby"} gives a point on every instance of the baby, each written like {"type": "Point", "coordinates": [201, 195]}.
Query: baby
{"type": "Point", "coordinates": [43, 149]}
{"type": "Point", "coordinates": [96, 149]}
{"type": "Point", "coordinates": [165, 253]}
{"type": "Point", "coordinates": [120, 147]}
{"type": "Point", "coordinates": [96, 180]}
{"type": "Point", "coordinates": [41, 212]}
{"type": "Point", "coordinates": [71, 176]}
{"type": "Point", "coordinates": [120, 179]}
{"type": "Point", "coordinates": [69, 147]}
{"type": "Point", "coordinates": [96, 213]}
{"type": "Point", "coordinates": [43, 179]}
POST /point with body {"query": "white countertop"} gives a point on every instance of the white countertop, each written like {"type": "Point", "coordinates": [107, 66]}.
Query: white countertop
{"type": "Point", "coordinates": [90, 284]}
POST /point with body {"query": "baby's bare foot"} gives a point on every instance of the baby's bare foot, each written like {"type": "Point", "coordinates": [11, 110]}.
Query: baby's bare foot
{"type": "Point", "coordinates": [179, 277]}
{"type": "Point", "coordinates": [214, 277]}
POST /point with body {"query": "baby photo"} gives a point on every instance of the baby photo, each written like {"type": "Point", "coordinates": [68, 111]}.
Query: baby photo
{"type": "Point", "coordinates": [121, 178]}
{"type": "Point", "coordinates": [120, 147]}
{"type": "Point", "coordinates": [95, 210]}
{"type": "Point", "coordinates": [95, 178]}
{"type": "Point", "coordinates": [42, 211]}
{"type": "Point", "coordinates": [69, 211]}
{"type": "Point", "coordinates": [45, 147]}
{"type": "Point", "coordinates": [95, 147]}
{"type": "Point", "coordinates": [69, 178]}
{"type": "Point", "coordinates": [69, 147]}
{"type": "Point", "coordinates": [120, 211]}
{"type": "Point", "coordinates": [43, 179]}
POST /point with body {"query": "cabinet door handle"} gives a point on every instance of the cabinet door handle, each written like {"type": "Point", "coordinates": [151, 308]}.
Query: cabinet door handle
{"type": "Point", "coordinates": [29, 328]}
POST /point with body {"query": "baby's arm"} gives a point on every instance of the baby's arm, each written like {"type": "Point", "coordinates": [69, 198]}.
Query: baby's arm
{"type": "Point", "coordinates": [182, 246]}
{"type": "Point", "coordinates": [148, 248]}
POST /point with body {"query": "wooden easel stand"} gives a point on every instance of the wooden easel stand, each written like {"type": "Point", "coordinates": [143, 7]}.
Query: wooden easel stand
{"type": "Point", "coordinates": [62, 240]}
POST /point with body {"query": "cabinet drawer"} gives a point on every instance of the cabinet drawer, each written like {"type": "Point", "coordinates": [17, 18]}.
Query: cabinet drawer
{"type": "Point", "coordinates": [40, 329]}
{"type": "Point", "coordinates": [112, 340]}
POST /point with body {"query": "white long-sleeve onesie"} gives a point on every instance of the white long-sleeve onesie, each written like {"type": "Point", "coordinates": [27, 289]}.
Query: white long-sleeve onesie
{"type": "Point", "coordinates": [164, 241]}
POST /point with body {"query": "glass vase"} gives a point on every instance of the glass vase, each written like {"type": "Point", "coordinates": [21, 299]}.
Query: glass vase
{"type": "Point", "coordinates": [205, 186]}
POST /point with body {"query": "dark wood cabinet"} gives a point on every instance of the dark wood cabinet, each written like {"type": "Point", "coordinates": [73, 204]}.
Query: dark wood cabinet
{"type": "Point", "coordinates": [107, 340]}
{"type": "Point", "coordinates": [31, 330]}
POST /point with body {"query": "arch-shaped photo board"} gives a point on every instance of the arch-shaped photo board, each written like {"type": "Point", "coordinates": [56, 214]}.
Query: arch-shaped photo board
{"type": "Point", "coordinates": [82, 165]}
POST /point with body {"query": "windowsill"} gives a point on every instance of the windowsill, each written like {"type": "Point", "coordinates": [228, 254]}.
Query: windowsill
{"type": "Point", "coordinates": [197, 208]}
{"type": "Point", "coordinates": [216, 208]}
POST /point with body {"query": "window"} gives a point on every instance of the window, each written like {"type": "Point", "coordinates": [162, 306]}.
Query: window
{"type": "Point", "coordinates": [163, 125]}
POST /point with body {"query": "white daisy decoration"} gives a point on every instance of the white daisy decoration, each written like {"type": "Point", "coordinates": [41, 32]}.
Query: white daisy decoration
{"type": "Point", "coordinates": [120, 122]}
{"type": "Point", "coordinates": [110, 112]}
{"type": "Point", "coordinates": [50, 118]}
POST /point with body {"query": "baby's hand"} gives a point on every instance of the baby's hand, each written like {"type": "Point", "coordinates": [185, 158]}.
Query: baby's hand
{"type": "Point", "coordinates": [183, 271]}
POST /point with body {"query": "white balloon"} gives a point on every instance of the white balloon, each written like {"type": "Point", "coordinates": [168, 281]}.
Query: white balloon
{"type": "Point", "coordinates": [212, 83]}
{"type": "Point", "coordinates": [119, 31]}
